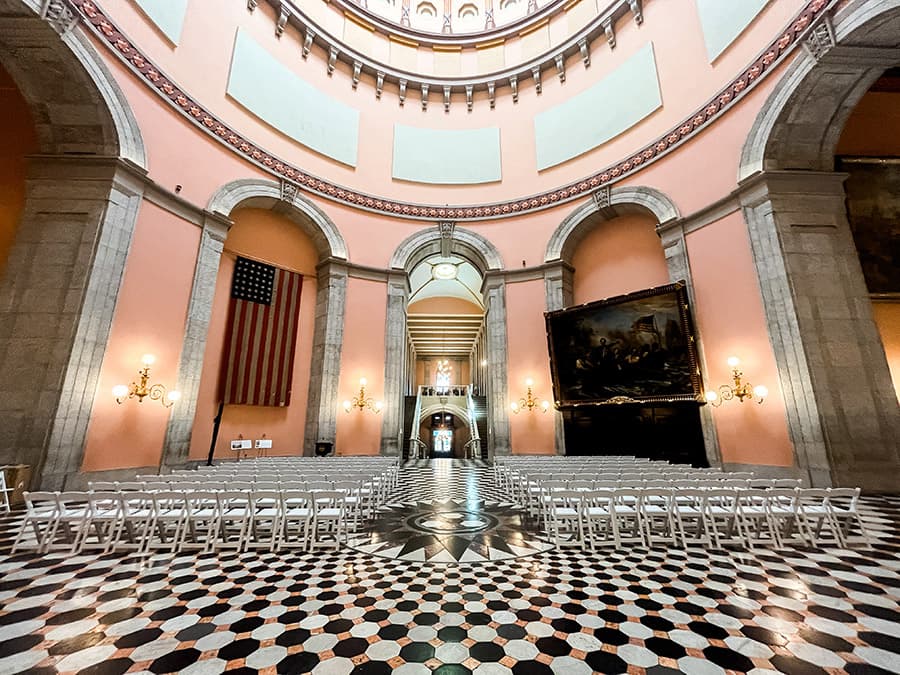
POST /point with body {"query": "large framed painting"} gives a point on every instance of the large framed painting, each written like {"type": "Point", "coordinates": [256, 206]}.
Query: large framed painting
{"type": "Point", "coordinates": [635, 348]}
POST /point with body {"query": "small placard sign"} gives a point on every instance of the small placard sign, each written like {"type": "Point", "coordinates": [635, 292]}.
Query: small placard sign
{"type": "Point", "coordinates": [263, 443]}
{"type": "Point", "coordinates": [241, 445]}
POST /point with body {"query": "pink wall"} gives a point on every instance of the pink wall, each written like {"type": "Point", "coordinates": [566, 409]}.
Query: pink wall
{"type": "Point", "coordinates": [887, 317]}
{"type": "Point", "coordinates": [730, 320]}
{"type": "Point", "coordinates": [618, 256]}
{"type": "Point", "coordinates": [362, 355]}
{"type": "Point", "coordinates": [530, 433]}
{"type": "Point", "coordinates": [16, 142]}
{"type": "Point", "coordinates": [269, 237]}
{"type": "Point", "coordinates": [149, 318]}
{"type": "Point", "coordinates": [873, 127]}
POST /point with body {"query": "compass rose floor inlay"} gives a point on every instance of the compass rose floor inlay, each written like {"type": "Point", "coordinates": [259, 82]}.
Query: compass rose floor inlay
{"type": "Point", "coordinates": [449, 512]}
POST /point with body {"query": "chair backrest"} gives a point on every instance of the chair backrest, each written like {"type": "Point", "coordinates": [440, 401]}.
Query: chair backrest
{"type": "Point", "coordinates": [99, 485]}
{"type": "Point", "coordinates": [104, 502]}
{"type": "Point", "coordinates": [125, 486]}
{"type": "Point", "coordinates": [40, 502]}
{"type": "Point", "coordinates": [319, 486]}
{"type": "Point", "coordinates": [72, 501]}
{"type": "Point", "coordinates": [850, 495]}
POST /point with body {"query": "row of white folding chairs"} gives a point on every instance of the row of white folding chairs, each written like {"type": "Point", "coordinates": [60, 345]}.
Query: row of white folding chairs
{"type": "Point", "coordinates": [176, 520]}
{"type": "Point", "coordinates": [363, 500]}
{"type": "Point", "coordinates": [541, 492]}
{"type": "Point", "coordinates": [376, 488]}
{"type": "Point", "coordinates": [711, 517]}
{"type": "Point", "coordinates": [520, 484]}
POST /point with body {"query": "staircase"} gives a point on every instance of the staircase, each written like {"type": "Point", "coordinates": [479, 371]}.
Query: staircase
{"type": "Point", "coordinates": [480, 405]}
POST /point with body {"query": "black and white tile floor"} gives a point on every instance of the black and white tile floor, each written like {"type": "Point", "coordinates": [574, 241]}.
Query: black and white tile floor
{"type": "Point", "coordinates": [636, 610]}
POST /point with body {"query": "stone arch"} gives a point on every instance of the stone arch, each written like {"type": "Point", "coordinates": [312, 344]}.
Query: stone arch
{"type": "Point", "coordinates": [446, 238]}
{"type": "Point", "coordinates": [321, 416]}
{"type": "Point", "coordinates": [467, 243]}
{"type": "Point", "coordinates": [78, 107]}
{"type": "Point", "coordinates": [267, 194]}
{"type": "Point", "coordinates": [454, 410]}
{"type": "Point", "coordinates": [813, 291]}
{"type": "Point", "coordinates": [801, 121]}
{"type": "Point", "coordinates": [82, 198]}
{"type": "Point", "coordinates": [617, 202]}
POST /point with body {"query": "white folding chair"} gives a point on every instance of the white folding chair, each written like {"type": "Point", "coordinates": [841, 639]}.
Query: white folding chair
{"type": "Point", "coordinates": [201, 520]}
{"type": "Point", "coordinates": [329, 523]}
{"type": "Point", "coordinates": [754, 518]}
{"type": "Point", "coordinates": [815, 513]}
{"type": "Point", "coordinates": [656, 513]}
{"type": "Point", "coordinates": [296, 519]}
{"type": "Point", "coordinates": [844, 505]}
{"type": "Point", "coordinates": [563, 509]}
{"type": "Point", "coordinates": [169, 515]}
{"type": "Point", "coordinates": [265, 519]}
{"type": "Point", "coordinates": [4, 491]}
{"type": "Point", "coordinates": [234, 518]}
{"type": "Point", "coordinates": [41, 512]}
{"type": "Point", "coordinates": [104, 517]}
{"type": "Point", "coordinates": [689, 510]}
{"type": "Point", "coordinates": [71, 518]}
{"type": "Point", "coordinates": [137, 522]}
{"type": "Point", "coordinates": [627, 519]}
{"type": "Point", "coordinates": [598, 508]}
{"type": "Point", "coordinates": [784, 513]}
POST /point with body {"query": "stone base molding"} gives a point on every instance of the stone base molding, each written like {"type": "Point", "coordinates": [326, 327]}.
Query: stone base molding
{"type": "Point", "coordinates": [842, 411]}
{"type": "Point", "coordinates": [57, 300]}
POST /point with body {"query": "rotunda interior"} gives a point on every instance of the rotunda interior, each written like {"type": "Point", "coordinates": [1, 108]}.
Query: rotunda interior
{"type": "Point", "coordinates": [431, 241]}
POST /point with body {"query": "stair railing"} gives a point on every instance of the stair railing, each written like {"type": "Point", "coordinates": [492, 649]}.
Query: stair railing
{"type": "Point", "coordinates": [414, 441]}
{"type": "Point", "coordinates": [473, 426]}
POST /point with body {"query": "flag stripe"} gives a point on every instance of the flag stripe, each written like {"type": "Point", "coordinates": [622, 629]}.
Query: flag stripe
{"type": "Point", "coordinates": [258, 354]}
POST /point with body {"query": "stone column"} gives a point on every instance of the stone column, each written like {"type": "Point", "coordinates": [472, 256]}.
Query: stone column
{"type": "Point", "coordinates": [331, 301]}
{"type": "Point", "coordinates": [57, 300]}
{"type": "Point", "coordinates": [558, 285]}
{"type": "Point", "coordinates": [395, 358]}
{"type": "Point", "coordinates": [494, 293]}
{"type": "Point", "coordinates": [675, 249]}
{"type": "Point", "coordinates": [842, 411]}
{"type": "Point", "coordinates": [190, 366]}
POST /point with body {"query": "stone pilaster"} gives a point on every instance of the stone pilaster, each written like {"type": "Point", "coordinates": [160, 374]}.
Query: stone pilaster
{"type": "Point", "coordinates": [842, 411]}
{"type": "Point", "coordinates": [331, 302]}
{"type": "Point", "coordinates": [494, 293]}
{"type": "Point", "coordinates": [190, 366]}
{"type": "Point", "coordinates": [395, 358]}
{"type": "Point", "coordinates": [57, 300]}
{"type": "Point", "coordinates": [558, 287]}
{"type": "Point", "coordinates": [678, 263]}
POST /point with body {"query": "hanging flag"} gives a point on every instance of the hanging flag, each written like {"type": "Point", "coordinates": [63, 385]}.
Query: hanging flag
{"type": "Point", "coordinates": [258, 359]}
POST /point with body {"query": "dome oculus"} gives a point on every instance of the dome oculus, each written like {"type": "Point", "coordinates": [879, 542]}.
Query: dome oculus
{"type": "Point", "coordinates": [445, 271]}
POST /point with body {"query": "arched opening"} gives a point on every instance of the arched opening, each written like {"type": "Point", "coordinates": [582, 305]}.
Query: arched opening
{"type": "Point", "coordinates": [612, 252]}
{"type": "Point", "coordinates": [869, 152]}
{"type": "Point", "coordinates": [279, 229]}
{"type": "Point", "coordinates": [442, 311]}
{"type": "Point", "coordinates": [64, 240]}
{"type": "Point", "coordinates": [445, 325]}
{"type": "Point", "coordinates": [841, 403]}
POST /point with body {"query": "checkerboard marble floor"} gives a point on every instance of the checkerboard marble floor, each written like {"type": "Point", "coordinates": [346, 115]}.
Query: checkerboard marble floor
{"type": "Point", "coordinates": [634, 610]}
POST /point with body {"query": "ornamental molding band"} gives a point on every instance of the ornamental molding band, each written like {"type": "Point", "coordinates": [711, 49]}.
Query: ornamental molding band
{"type": "Point", "coordinates": [59, 15]}
{"type": "Point", "coordinates": [792, 36]}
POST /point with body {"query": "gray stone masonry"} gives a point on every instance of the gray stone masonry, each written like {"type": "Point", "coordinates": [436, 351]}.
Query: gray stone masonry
{"type": "Point", "coordinates": [842, 411]}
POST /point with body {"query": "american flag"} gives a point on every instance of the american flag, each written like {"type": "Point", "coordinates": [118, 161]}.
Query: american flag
{"type": "Point", "coordinates": [258, 359]}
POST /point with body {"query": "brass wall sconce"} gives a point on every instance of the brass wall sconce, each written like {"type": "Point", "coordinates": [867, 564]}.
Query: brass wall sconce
{"type": "Point", "coordinates": [529, 402]}
{"type": "Point", "coordinates": [363, 402]}
{"type": "Point", "coordinates": [143, 389]}
{"type": "Point", "coordinates": [739, 389]}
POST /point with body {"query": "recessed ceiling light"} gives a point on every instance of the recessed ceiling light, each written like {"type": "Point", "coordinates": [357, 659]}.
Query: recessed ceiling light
{"type": "Point", "coordinates": [444, 271]}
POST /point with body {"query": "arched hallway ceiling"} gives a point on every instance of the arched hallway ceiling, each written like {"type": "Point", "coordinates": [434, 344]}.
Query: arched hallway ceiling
{"type": "Point", "coordinates": [437, 334]}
